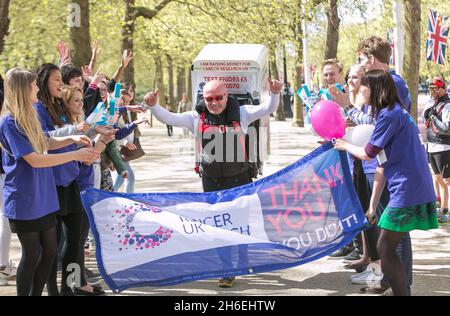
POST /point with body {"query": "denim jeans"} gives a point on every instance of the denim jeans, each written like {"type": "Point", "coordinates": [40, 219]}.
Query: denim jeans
{"type": "Point", "coordinates": [118, 181]}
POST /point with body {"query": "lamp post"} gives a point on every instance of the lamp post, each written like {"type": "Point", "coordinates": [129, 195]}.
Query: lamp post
{"type": "Point", "coordinates": [286, 91]}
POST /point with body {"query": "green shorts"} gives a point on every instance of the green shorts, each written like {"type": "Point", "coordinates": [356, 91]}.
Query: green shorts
{"type": "Point", "coordinates": [406, 219]}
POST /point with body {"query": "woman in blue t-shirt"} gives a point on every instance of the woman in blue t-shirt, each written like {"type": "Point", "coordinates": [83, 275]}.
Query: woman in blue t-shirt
{"type": "Point", "coordinates": [29, 196]}
{"type": "Point", "coordinates": [73, 102]}
{"type": "Point", "coordinates": [403, 165]}
{"type": "Point", "coordinates": [53, 118]}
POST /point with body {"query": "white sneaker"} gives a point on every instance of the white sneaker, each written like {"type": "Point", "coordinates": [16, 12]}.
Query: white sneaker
{"type": "Point", "coordinates": [9, 272]}
{"type": "Point", "coordinates": [370, 278]}
{"type": "Point", "coordinates": [365, 272]}
{"type": "Point", "coordinates": [3, 282]}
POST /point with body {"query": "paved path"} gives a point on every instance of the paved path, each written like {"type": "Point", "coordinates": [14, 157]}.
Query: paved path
{"type": "Point", "coordinates": [168, 167]}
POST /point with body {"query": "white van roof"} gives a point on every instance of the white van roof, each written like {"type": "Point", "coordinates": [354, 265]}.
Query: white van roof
{"type": "Point", "coordinates": [254, 54]}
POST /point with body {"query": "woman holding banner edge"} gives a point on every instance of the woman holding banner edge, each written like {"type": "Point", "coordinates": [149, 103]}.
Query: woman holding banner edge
{"type": "Point", "coordinates": [412, 203]}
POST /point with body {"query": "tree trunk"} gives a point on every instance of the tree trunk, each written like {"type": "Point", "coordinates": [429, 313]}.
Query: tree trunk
{"type": "Point", "coordinates": [279, 114]}
{"type": "Point", "coordinates": [298, 35]}
{"type": "Point", "coordinates": [128, 38]}
{"type": "Point", "coordinates": [181, 82]}
{"type": "Point", "coordinates": [4, 22]}
{"type": "Point", "coordinates": [159, 74]}
{"type": "Point", "coordinates": [333, 20]}
{"type": "Point", "coordinates": [411, 61]}
{"type": "Point", "coordinates": [189, 89]}
{"type": "Point", "coordinates": [172, 102]}
{"type": "Point", "coordinates": [131, 14]}
{"type": "Point", "coordinates": [80, 37]}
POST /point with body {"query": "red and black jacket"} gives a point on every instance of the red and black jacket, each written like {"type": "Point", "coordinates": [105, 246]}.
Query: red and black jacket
{"type": "Point", "coordinates": [220, 142]}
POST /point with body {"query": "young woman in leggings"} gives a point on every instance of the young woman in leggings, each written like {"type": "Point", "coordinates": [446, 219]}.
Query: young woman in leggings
{"type": "Point", "coordinates": [29, 197]}
{"type": "Point", "coordinates": [400, 153]}
{"type": "Point", "coordinates": [53, 117]}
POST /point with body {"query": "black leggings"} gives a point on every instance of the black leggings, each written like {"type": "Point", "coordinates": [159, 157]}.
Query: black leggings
{"type": "Point", "coordinates": [70, 253]}
{"type": "Point", "coordinates": [373, 233]}
{"type": "Point", "coordinates": [84, 237]}
{"type": "Point", "coordinates": [390, 262]}
{"type": "Point", "coordinates": [359, 181]}
{"type": "Point", "coordinates": [38, 255]}
{"type": "Point", "coordinates": [169, 130]}
{"type": "Point", "coordinates": [217, 184]}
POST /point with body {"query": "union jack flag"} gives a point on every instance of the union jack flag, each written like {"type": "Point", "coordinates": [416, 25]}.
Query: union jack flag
{"type": "Point", "coordinates": [437, 37]}
{"type": "Point", "coordinates": [390, 39]}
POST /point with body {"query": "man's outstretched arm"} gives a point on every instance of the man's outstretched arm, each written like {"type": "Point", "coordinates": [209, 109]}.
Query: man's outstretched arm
{"type": "Point", "coordinates": [185, 119]}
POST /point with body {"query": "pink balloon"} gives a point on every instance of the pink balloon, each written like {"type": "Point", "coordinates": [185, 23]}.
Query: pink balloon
{"type": "Point", "coordinates": [327, 120]}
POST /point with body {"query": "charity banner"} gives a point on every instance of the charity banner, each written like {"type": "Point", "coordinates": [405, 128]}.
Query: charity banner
{"type": "Point", "coordinates": [297, 215]}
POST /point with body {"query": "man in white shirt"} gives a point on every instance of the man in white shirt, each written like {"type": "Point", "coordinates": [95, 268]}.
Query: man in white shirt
{"type": "Point", "coordinates": [219, 118]}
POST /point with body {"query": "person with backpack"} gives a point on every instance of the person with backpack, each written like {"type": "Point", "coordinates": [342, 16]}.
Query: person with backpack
{"type": "Point", "coordinates": [437, 123]}
{"type": "Point", "coordinates": [219, 118]}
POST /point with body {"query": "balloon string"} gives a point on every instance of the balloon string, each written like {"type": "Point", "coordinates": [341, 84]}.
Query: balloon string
{"type": "Point", "coordinates": [333, 141]}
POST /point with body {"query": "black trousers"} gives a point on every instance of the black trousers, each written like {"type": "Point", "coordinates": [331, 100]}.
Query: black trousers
{"type": "Point", "coordinates": [217, 184]}
{"type": "Point", "coordinates": [169, 130]}
{"type": "Point", "coordinates": [359, 181]}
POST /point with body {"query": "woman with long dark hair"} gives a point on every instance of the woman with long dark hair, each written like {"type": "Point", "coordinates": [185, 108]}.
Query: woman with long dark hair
{"type": "Point", "coordinates": [403, 166]}
{"type": "Point", "coordinates": [53, 118]}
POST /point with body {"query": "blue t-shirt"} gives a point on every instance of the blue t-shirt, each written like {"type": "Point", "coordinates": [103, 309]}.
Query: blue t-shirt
{"type": "Point", "coordinates": [85, 178]}
{"type": "Point", "coordinates": [369, 166]}
{"type": "Point", "coordinates": [402, 89]}
{"type": "Point", "coordinates": [406, 169]}
{"type": "Point", "coordinates": [64, 174]}
{"type": "Point", "coordinates": [29, 193]}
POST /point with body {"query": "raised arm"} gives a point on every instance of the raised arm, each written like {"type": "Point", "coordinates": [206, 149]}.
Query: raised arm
{"type": "Point", "coordinates": [185, 119]}
{"type": "Point", "coordinates": [126, 58]}
{"type": "Point", "coordinates": [64, 56]}
{"type": "Point", "coordinates": [95, 52]}
{"type": "Point", "coordinates": [256, 112]}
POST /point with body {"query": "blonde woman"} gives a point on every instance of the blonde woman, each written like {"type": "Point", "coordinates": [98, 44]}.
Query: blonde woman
{"type": "Point", "coordinates": [354, 83]}
{"type": "Point", "coordinates": [30, 201]}
{"type": "Point", "coordinates": [72, 98]}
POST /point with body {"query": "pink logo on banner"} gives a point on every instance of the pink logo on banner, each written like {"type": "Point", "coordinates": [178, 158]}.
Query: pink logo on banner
{"type": "Point", "coordinates": [130, 235]}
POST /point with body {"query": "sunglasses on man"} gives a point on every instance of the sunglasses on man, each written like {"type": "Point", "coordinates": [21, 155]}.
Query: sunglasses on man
{"type": "Point", "coordinates": [211, 99]}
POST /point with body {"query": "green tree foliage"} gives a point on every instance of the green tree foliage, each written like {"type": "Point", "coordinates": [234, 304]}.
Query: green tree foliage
{"type": "Point", "coordinates": [183, 27]}
{"type": "Point", "coordinates": [34, 30]}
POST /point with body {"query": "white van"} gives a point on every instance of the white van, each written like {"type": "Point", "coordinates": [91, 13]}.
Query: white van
{"type": "Point", "coordinates": [244, 68]}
